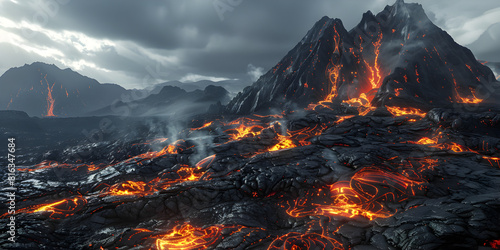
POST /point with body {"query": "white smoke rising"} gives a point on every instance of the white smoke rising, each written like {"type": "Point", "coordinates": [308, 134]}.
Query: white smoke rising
{"type": "Point", "coordinates": [254, 72]}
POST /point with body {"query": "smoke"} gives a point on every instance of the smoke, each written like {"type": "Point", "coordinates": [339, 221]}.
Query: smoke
{"type": "Point", "coordinates": [254, 72]}
{"type": "Point", "coordinates": [195, 78]}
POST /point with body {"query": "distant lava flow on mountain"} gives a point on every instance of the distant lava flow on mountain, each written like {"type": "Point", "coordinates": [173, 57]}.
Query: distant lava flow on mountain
{"type": "Point", "coordinates": [383, 137]}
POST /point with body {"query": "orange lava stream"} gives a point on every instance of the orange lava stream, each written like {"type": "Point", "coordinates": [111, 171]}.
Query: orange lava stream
{"type": "Point", "coordinates": [246, 128]}
{"type": "Point", "coordinates": [492, 159]}
{"type": "Point", "coordinates": [397, 111]}
{"type": "Point", "coordinates": [187, 237]}
{"type": "Point", "coordinates": [50, 99]}
{"type": "Point", "coordinates": [62, 208]}
{"type": "Point", "coordinates": [129, 188]}
{"type": "Point", "coordinates": [363, 195]}
{"type": "Point", "coordinates": [204, 126]}
{"type": "Point", "coordinates": [376, 78]}
{"type": "Point", "coordinates": [184, 173]}
{"type": "Point", "coordinates": [495, 244]}
{"type": "Point", "coordinates": [284, 142]}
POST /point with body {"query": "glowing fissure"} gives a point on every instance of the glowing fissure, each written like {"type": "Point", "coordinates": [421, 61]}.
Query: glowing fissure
{"type": "Point", "coordinates": [188, 237]}
{"type": "Point", "coordinates": [50, 100]}
{"type": "Point", "coordinates": [61, 209]}
{"type": "Point", "coordinates": [366, 193]}
{"type": "Point", "coordinates": [375, 75]}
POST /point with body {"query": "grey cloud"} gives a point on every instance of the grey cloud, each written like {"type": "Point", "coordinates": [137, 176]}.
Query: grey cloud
{"type": "Point", "coordinates": [256, 32]}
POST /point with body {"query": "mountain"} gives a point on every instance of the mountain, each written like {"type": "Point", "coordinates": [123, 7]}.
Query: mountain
{"type": "Point", "coordinates": [41, 89]}
{"type": "Point", "coordinates": [233, 86]}
{"type": "Point", "coordinates": [171, 100]}
{"type": "Point", "coordinates": [397, 57]}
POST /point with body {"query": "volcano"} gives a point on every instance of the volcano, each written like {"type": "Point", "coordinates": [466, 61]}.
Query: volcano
{"type": "Point", "coordinates": [386, 143]}
{"type": "Point", "coordinates": [397, 57]}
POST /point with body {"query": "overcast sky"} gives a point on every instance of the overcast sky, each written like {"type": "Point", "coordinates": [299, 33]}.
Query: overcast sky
{"type": "Point", "coordinates": [138, 43]}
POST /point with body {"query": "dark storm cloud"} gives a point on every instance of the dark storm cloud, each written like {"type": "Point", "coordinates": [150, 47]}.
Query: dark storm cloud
{"type": "Point", "coordinates": [136, 43]}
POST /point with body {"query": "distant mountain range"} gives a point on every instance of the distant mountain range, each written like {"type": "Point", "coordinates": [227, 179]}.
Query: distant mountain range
{"type": "Point", "coordinates": [169, 101]}
{"type": "Point", "coordinates": [233, 86]}
{"type": "Point", "coordinates": [42, 90]}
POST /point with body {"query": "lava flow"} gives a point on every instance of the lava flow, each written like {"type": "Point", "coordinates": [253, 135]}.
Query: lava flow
{"type": "Point", "coordinates": [246, 127]}
{"type": "Point", "coordinates": [50, 100]}
{"type": "Point", "coordinates": [62, 208]}
{"type": "Point", "coordinates": [365, 194]}
{"type": "Point", "coordinates": [129, 188]}
{"type": "Point", "coordinates": [188, 237]}
{"type": "Point", "coordinates": [398, 111]}
{"type": "Point", "coordinates": [375, 75]}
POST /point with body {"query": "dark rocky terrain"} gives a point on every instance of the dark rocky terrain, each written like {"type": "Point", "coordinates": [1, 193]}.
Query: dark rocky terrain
{"type": "Point", "coordinates": [315, 178]}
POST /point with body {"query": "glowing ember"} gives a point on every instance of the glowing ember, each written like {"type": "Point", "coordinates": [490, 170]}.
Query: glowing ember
{"type": "Point", "coordinates": [296, 241]}
{"type": "Point", "coordinates": [62, 208]}
{"type": "Point", "coordinates": [397, 111]}
{"type": "Point", "coordinates": [187, 237]}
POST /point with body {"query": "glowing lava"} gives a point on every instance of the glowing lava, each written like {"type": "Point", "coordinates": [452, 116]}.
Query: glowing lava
{"type": "Point", "coordinates": [375, 76]}
{"type": "Point", "coordinates": [365, 194]}
{"type": "Point", "coordinates": [204, 126]}
{"type": "Point", "coordinates": [472, 99]}
{"type": "Point", "coordinates": [50, 100]}
{"type": "Point", "coordinates": [62, 208]}
{"type": "Point", "coordinates": [246, 128]}
{"type": "Point", "coordinates": [129, 188]}
{"type": "Point", "coordinates": [296, 241]}
{"type": "Point", "coordinates": [397, 111]}
{"type": "Point", "coordinates": [284, 142]}
{"type": "Point", "coordinates": [188, 237]}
